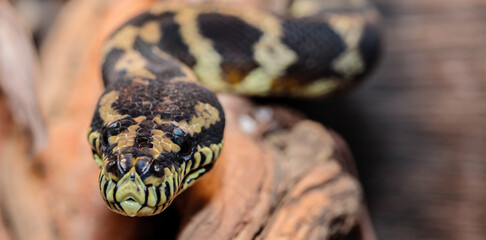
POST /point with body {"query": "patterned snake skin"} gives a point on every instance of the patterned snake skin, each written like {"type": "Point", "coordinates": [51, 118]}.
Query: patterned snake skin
{"type": "Point", "coordinates": [158, 126]}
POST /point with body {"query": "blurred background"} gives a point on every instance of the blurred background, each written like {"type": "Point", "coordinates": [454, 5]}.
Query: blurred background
{"type": "Point", "coordinates": [416, 126]}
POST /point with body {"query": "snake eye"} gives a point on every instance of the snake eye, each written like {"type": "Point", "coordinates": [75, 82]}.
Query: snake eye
{"type": "Point", "coordinates": [108, 131]}
{"type": "Point", "coordinates": [104, 139]}
{"type": "Point", "coordinates": [182, 138]}
{"type": "Point", "coordinates": [186, 149]}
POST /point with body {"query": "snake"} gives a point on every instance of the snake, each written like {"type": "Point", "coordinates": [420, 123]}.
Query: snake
{"type": "Point", "coordinates": [158, 126]}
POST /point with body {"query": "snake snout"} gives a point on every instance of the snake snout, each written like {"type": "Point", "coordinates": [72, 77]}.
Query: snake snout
{"type": "Point", "coordinates": [131, 192]}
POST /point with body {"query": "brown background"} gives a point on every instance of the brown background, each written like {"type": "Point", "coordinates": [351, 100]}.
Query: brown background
{"type": "Point", "coordinates": [417, 126]}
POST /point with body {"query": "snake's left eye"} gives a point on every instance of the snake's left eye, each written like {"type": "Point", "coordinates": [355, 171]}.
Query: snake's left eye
{"type": "Point", "coordinates": [109, 131]}
{"type": "Point", "coordinates": [186, 149]}
{"type": "Point", "coordinates": [104, 139]}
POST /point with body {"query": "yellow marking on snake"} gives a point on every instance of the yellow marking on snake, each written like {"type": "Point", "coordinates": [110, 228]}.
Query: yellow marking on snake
{"type": "Point", "coordinates": [92, 137]}
{"type": "Point", "coordinates": [98, 160]}
{"type": "Point", "coordinates": [110, 191]}
{"type": "Point", "coordinates": [189, 165]}
{"type": "Point", "coordinates": [132, 61]}
{"type": "Point", "coordinates": [130, 192]}
{"type": "Point", "coordinates": [107, 113]}
{"type": "Point", "coordinates": [193, 176]}
{"type": "Point", "coordinates": [208, 153]}
{"type": "Point", "coordinates": [94, 142]}
{"type": "Point", "coordinates": [162, 143]}
{"type": "Point", "coordinates": [208, 60]}
{"type": "Point", "coordinates": [197, 160]}
{"type": "Point", "coordinates": [108, 175]}
{"type": "Point", "coordinates": [150, 32]}
{"type": "Point", "coordinates": [170, 181]}
{"type": "Point", "coordinates": [124, 139]}
{"type": "Point", "coordinates": [316, 88]}
{"type": "Point", "coordinates": [134, 64]}
{"type": "Point", "coordinates": [139, 119]}
{"type": "Point", "coordinates": [152, 196]}
{"type": "Point", "coordinates": [215, 148]}
{"type": "Point", "coordinates": [350, 28]}
{"type": "Point", "coordinates": [163, 197]}
{"type": "Point", "coordinates": [123, 39]}
{"type": "Point", "coordinates": [273, 56]}
{"type": "Point", "coordinates": [182, 170]}
{"type": "Point", "coordinates": [145, 211]}
{"type": "Point", "coordinates": [151, 180]}
{"type": "Point", "coordinates": [205, 116]}
{"type": "Point", "coordinates": [102, 182]}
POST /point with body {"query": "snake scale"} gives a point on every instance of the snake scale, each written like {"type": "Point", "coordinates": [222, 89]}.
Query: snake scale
{"type": "Point", "coordinates": [158, 126]}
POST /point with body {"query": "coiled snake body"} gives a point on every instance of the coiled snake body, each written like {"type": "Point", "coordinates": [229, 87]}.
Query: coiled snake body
{"type": "Point", "coordinates": [157, 127]}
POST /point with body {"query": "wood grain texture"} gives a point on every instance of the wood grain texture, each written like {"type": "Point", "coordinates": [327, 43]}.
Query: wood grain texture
{"type": "Point", "coordinates": [417, 126]}
{"type": "Point", "coordinates": [19, 73]}
{"type": "Point", "coordinates": [23, 213]}
{"type": "Point", "coordinates": [286, 185]}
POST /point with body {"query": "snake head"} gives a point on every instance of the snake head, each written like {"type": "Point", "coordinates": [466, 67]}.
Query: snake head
{"type": "Point", "coordinates": [152, 150]}
{"type": "Point", "coordinates": [143, 180]}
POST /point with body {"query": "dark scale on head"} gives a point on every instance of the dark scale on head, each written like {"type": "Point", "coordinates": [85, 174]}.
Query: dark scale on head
{"type": "Point", "coordinates": [155, 99]}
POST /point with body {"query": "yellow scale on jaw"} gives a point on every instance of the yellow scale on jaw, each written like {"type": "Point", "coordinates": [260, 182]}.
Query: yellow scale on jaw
{"type": "Point", "coordinates": [130, 188]}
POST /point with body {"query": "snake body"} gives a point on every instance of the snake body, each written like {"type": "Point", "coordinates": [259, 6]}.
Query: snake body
{"type": "Point", "coordinates": [158, 126]}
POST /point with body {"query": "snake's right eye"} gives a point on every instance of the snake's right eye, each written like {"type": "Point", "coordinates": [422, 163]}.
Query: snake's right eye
{"type": "Point", "coordinates": [104, 139]}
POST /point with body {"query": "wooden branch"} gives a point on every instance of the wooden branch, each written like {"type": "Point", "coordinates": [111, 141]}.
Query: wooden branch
{"type": "Point", "coordinates": [279, 175]}
{"type": "Point", "coordinates": [19, 74]}
{"type": "Point", "coordinates": [282, 184]}
{"type": "Point", "coordinates": [22, 132]}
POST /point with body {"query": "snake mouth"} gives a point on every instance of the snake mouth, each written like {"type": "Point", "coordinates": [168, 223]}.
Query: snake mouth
{"type": "Point", "coordinates": [154, 201]}
{"type": "Point", "coordinates": [131, 207]}
{"type": "Point", "coordinates": [130, 196]}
